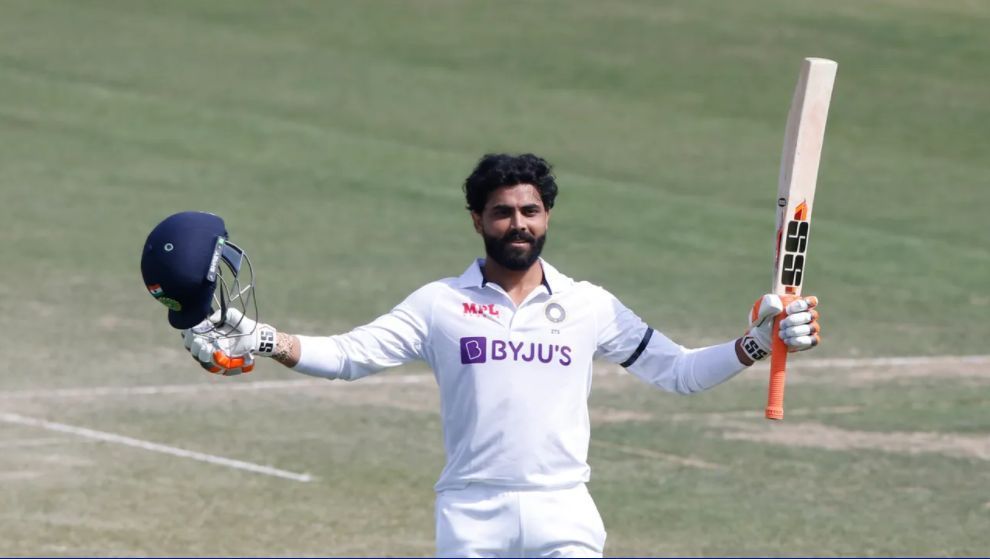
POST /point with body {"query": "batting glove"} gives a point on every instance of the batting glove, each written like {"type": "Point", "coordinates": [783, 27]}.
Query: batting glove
{"type": "Point", "coordinates": [229, 348]}
{"type": "Point", "coordinates": [799, 329]}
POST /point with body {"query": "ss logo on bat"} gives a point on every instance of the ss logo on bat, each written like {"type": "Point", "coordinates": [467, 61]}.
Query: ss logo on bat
{"type": "Point", "coordinates": [794, 248]}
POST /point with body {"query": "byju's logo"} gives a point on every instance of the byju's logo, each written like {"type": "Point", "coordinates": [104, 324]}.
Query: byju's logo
{"type": "Point", "coordinates": [476, 350]}
{"type": "Point", "coordinates": [473, 350]}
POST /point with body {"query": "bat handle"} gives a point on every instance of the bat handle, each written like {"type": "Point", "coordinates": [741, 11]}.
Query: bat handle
{"type": "Point", "coordinates": [778, 374]}
{"type": "Point", "coordinates": [778, 366]}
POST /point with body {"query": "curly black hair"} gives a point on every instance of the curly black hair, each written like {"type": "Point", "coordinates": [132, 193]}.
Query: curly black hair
{"type": "Point", "coordinates": [495, 170]}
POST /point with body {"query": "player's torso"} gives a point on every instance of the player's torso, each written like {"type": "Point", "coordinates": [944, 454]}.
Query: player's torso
{"type": "Point", "coordinates": [514, 382]}
{"type": "Point", "coordinates": [480, 335]}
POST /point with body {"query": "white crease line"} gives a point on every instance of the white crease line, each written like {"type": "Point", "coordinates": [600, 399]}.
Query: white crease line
{"type": "Point", "coordinates": [154, 447]}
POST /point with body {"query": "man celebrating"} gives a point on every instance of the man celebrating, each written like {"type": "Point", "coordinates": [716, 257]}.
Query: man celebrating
{"type": "Point", "coordinates": [511, 342]}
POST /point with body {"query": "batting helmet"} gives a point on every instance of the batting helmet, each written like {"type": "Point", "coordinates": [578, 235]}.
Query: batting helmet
{"type": "Point", "coordinates": [186, 258]}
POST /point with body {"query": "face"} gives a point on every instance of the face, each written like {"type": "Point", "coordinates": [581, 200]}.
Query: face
{"type": "Point", "coordinates": [513, 225]}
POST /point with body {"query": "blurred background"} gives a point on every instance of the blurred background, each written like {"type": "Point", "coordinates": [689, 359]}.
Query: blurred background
{"type": "Point", "coordinates": [333, 138]}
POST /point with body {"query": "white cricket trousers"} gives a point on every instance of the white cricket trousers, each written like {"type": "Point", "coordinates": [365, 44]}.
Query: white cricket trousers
{"type": "Point", "coordinates": [487, 521]}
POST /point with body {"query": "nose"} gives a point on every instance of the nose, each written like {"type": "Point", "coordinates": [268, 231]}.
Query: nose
{"type": "Point", "coordinates": [517, 223]}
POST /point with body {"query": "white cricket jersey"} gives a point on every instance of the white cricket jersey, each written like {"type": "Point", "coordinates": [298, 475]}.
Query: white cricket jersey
{"type": "Point", "coordinates": [514, 381]}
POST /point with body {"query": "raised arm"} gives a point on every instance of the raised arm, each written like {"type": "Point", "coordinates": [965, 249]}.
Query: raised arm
{"type": "Point", "coordinates": [625, 339]}
{"type": "Point", "coordinates": [392, 339]}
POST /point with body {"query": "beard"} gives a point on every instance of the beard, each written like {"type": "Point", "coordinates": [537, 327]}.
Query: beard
{"type": "Point", "coordinates": [513, 257]}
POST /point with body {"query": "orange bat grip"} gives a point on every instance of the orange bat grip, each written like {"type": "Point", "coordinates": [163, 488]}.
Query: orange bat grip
{"type": "Point", "coordinates": [778, 372]}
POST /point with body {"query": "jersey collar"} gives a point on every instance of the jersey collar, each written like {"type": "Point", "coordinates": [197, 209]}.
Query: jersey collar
{"type": "Point", "coordinates": [553, 281]}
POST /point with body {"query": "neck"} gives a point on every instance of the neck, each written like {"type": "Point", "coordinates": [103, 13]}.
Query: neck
{"type": "Point", "coordinates": [517, 283]}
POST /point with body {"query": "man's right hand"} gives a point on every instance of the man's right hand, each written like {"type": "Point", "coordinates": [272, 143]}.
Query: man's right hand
{"type": "Point", "coordinates": [229, 348]}
{"type": "Point", "coordinates": [799, 330]}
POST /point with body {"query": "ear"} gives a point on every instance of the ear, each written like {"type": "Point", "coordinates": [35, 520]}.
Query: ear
{"type": "Point", "coordinates": [476, 218]}
{"type": "Point", "coordinates": [548, 218]}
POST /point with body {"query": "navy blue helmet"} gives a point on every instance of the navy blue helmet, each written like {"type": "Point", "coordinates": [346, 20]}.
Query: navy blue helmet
{"type": "Point", "coordinates": [190, 266]}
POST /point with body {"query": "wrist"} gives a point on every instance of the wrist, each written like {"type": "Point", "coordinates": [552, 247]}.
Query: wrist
{"type": "Point", "coordinates": [265, 338]}
{"type": "Point", "coordinates": [749, 350]}
{"type": "Point", "coordinates": [287, 349]}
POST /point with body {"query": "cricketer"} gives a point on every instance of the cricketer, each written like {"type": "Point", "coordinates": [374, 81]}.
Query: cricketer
{"type": "Point", "coordinates": [511, 342]}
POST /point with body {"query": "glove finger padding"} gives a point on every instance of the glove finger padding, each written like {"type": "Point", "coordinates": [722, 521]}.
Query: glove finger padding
{"type": "Point", "coordinates": [797, 319]}
{"type": "Point", "coordinates": [220, 362]}
{"type": "Point", "coordinates": [202, 349]}
{"type": "Point", "coordinates": [801, 343]}
{"type": "Point", "coordinates": [230, 362]}
{"type": "Point", "coordinates": [210, 367]}
{"type": "Point", "coordinates": [234, 366]}
{"type": "Point", "coordinates": [802, 304]}
{"type": "Point", "coordinates": [800, 329]}
{"type": "Point", "coordinates": [193, 343]}
{"type": "Point", "coordinates": [246, 365]}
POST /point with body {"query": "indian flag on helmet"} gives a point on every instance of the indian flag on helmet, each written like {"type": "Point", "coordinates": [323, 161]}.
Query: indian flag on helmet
{"type": "Point", "coordinates": [156, 290]}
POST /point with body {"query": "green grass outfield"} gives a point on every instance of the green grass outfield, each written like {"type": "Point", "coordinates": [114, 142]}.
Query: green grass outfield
{"type": "Point", "coordinates": [333, 138]}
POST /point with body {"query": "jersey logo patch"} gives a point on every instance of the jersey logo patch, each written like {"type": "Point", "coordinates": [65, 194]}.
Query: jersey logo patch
{"type": "Point", "coordinates": [473, 350]}
{"type": "Point", "coordinates": [476, 309]}
{"type": "Point", "coordinates": [479, 349]}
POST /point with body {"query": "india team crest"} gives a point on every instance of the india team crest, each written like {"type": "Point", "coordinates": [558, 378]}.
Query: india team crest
{"type": "Point", "coordinates": [555, 313]}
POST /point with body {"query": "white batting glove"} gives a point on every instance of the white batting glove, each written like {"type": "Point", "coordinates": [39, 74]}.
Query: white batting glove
{"type": "Point", "coordinates": [799, 330]}
{"type": "Point", "coordinates": [230, 347]}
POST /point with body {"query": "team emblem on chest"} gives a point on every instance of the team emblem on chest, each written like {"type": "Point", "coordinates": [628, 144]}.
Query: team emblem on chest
{"type": "Point", "coordinates": [555, 313]}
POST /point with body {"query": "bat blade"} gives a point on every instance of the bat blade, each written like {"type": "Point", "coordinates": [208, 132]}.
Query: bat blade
{"type": "Point", "coordinates": [803, 139]}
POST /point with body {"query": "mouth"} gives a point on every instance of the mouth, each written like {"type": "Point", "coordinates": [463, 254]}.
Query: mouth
{"type": "Point", "coordinates": [519, 240]}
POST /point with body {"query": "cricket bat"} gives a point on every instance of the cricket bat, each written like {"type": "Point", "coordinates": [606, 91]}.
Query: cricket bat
{"type": "Point", "coordinates": [799, 160]}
